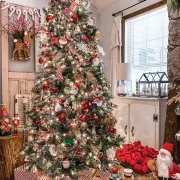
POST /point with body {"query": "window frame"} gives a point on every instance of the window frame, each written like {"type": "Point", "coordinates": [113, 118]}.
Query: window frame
{"type": "Point", "coordinates": [136, 13]}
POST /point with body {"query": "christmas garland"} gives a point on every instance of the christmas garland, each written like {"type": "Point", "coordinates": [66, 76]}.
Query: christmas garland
{"type": "Point", "coordinates": [175, 4]}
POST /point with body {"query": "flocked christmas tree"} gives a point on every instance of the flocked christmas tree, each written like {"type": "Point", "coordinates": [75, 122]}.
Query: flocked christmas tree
{"type": "Point", "coordinates": [72, 122]}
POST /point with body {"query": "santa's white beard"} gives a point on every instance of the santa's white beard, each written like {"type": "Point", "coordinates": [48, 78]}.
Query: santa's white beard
{"type": "Point", "coordinates": [163, 165]}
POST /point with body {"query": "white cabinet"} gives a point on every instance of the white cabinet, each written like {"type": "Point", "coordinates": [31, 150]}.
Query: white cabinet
{"type": "Point", "coordinates": [141, 119]}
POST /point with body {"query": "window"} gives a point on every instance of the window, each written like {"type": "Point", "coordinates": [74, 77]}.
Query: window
{"type": "Point", "coordinates": [146, 40]}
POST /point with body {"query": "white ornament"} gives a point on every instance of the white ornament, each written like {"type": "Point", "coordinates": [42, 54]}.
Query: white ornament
{"type": "Point", "coordinates": [25, 14]}
{"type": "Point", "coordinates": [74, 105]}
{"type": "Point", "coordinates": [18, 12]}
{"type": "Point", "coordinates": [98, 102]}
{"type": "Point", "coordinates": [12, 9]}
{"type": "Point", "coordinates": [66, 103]}
{"type": "Point", "coordinates": [74, 90]}
{"type": "Point", "coordinates": [52, 150]}
{"type": "Point", "coordinates": [6, 5]}
{"type": "Point", "coordinates": [82, 47]}
{"type": "Point", "coordinates": [63, 40]}
{"type": "Point", "coordinates": [91, 21]}
{"type": "Point", "coordinates": [96, 61]}
{"type": "Point", "coordinates": [77, 29]}
{"type": "Point", "coordinates": [66, 90]}
{"type": "Point", "coordinates": [31, 12]}
{"type": "Point", "coordinates": [35, 147]}
{"type": "Point", "coordinates": [111, 154]}
{"type": "Point", "coordinates": [66, 164]}
{"type": "Point", "coordinates": [26, 159]}
{"type": "Point", "coordinates": [58, 107]}
{"type": "Point", "coordinates": [101, 50]}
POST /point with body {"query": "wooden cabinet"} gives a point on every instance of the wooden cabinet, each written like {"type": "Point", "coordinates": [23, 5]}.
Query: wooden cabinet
{"type": "Point", "coordinates": [141, 119]}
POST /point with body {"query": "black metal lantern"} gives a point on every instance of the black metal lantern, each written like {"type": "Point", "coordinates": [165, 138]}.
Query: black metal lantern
{"type": "Point", "coordinates": [153, 84]}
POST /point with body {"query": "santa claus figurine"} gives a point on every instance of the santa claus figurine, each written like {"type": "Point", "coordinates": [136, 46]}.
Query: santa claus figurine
{"type": "Point", "coordinates": [166, 168]}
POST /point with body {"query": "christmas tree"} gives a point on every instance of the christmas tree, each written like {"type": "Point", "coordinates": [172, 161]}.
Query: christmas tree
{"type": "Point", "coordinates": [72, 122]}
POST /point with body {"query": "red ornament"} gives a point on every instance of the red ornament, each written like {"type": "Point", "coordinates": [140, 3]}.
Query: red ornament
{"type": "Point", "coordinates": [46, 86]}
{"type": "Point", "coordinates": [61, 101]}
{"type": "Point", "coordinates": [62, 117]}
{"type": "Point", "coordinates": [77, 85]}
{"type": "Point", "coordinates": [41, 61]}
{"type": "Point", "coordinates": [54, 89]}
{"type": "Point", "coordinates": [114, 170]}
{"type": "Point", "coordinates": [85, 106]}
{"type": "Point", "coordinates": [95, 56]}
{"type": "Point", "coordinates": [84, 118]}
{"type": "Point", "coordinates": [48, 55]}
{"type": "Point", "coordinates": [112, 130]}
{"type": "Point", "coordinates": [74, 17]}
{"type": "Point", "coordinates": [49, 18]}
{"type": "Point", "coordinates": [85, 38]}
{"type": "Point", "coordinates": [100, 156]}
{"type": "Point", "coordinates": [78, 149]}
{"type": "Point", "coordinates": [68, 135]}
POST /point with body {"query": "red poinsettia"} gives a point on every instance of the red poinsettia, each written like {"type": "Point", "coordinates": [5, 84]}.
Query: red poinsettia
{"type": "Point", "coordinates": [136, 156]}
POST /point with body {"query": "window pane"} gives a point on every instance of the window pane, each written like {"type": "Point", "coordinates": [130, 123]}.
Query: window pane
{"type": "Point", "coordinates": [146, 40]}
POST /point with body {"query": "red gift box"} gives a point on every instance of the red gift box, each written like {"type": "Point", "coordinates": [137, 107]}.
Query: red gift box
{"type": "Point", "coordinates": [21, 174]}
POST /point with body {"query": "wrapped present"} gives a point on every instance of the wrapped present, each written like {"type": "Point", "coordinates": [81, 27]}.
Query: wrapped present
{"type": "Point", "coordinates": [21, 174]}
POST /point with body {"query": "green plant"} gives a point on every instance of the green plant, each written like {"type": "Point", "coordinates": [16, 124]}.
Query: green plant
{"type": "Point", "coordinates": [175, 4]}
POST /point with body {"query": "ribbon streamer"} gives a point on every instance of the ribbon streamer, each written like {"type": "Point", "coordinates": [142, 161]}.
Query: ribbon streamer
{"type": "Point", "coordinates": [25, 14]}
{"type": "Point", "coordinates": [32, 14]}
{"type": "Point", "coordinates": [37, 12]}
{"type": "Point", "coordinates": [6, 5]}
{"type": "Point", "coordinates": [18, 12]}
{"type": "Point", "coordinates": [12, 9]}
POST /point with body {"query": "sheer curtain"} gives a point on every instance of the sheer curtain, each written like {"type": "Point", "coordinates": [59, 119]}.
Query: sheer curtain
{"type": "Point", "coordinates": [116, 44]}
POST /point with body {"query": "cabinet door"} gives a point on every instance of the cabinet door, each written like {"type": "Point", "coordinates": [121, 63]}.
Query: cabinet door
{"type": "Point", "coordinates": [122, 115]}
{"type": "Point", "coordinates": [142, 126]}
{"type": "Point", "coordinates": [19, 83]}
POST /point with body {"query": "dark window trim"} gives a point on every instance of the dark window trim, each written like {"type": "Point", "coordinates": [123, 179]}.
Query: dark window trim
{"type": "Point", "coordinates": [144, 10]}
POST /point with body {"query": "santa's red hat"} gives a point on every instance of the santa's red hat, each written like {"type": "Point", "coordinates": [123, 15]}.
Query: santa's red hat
{"type": "Point", "coordinates": [167, 149]}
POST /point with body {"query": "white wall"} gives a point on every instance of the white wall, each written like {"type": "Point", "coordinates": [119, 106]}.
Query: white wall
{"type": "Point", "coordinates": [106, 23]}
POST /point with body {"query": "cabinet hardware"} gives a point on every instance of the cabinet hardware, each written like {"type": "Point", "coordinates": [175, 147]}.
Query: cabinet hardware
{"type": "Point", "coordinates": [132, 131]}
{"type": "Point", "coordinates": [125, 129]}
{"type": "Point", "coordinates": [155, 117]}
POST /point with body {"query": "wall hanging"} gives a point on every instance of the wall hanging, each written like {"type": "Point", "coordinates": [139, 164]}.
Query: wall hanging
{"type": "Point", "coordinates": [21, 26]}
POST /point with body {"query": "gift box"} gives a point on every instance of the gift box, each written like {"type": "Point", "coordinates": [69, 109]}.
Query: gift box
{"type": "Point", "coordinates": [21, 174]}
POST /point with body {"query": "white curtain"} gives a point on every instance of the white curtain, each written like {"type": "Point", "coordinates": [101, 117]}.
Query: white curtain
{"type": "Point", "coordinates": [116, 43]}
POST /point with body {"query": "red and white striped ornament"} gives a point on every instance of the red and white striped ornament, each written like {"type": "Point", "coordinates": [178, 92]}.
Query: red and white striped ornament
{"type": "Point", "coordinates": [59, 73]}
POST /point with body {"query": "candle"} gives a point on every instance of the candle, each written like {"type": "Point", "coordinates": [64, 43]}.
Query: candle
{"type": "Point", "coordinates": [16, 108]}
